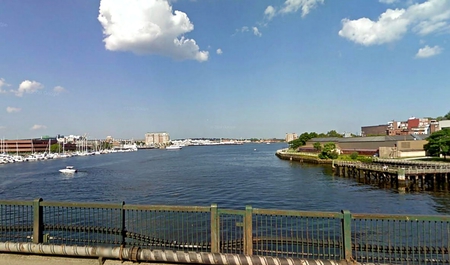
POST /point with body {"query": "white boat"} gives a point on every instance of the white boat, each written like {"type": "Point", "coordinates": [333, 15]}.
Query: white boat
{"type": "Point", "coordinates": [68, 169]}
{"type": "Point", "coordinates": [173, 147]}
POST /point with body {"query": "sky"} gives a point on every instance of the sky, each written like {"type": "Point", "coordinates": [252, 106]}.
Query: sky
{"type": "Point", "coordinates": [219, 68]}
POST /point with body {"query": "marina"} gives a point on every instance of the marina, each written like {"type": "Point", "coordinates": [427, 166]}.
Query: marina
{"type": "Point", "coordinates": [230, 175]}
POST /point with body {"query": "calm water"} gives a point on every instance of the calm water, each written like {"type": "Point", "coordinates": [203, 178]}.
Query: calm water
{"type": "Point", "coordinates": [231, 176]}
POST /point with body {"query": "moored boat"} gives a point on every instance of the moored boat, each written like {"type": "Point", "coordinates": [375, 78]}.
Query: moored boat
{"type": "Point", "coordinates": [173, 147]}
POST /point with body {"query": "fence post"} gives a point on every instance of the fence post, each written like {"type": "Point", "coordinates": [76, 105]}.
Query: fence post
{"type": "Point", "coordinates": [248, 230]}
{"type": "Point", "coordinates": [347, 234]}
{"type": "Point", "coordinates": [215, 227]}
{"type": "Point", "coordinates": [123, 232]}
{"type": "Point", "coordinates": [38, 221]}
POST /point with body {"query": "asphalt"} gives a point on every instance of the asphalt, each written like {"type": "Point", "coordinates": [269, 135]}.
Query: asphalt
{"type": "Point", "coordinates": [21, 259]}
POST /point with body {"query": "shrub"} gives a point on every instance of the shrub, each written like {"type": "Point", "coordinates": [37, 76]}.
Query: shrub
{"type": "Point", "coordinates": [354, 155]}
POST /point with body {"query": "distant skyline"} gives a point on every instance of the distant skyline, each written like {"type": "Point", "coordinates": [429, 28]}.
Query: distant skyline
{"type": "Point", "coordinates": [231, 69]}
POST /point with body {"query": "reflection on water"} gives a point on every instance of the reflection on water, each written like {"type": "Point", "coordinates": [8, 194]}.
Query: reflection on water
{"type": "Point", "coordinates": [231, 176]}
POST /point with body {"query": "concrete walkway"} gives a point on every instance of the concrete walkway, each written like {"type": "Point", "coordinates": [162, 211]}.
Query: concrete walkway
{"type": "Point", "coordinates": [23, 259]}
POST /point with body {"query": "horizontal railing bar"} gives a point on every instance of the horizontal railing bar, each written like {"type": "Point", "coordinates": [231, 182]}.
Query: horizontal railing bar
{"type": "Point", "coordinates": [231, 211]}
{"type": "Point", "coordinates": [298, 213]}
{"type": "Point", "coordinates": [396, 217]}
{"type": "Point", "coordinates": [80, 205]}
{"type": "Point", "coordinates": [17, 203]}
{"type": "Point", "coordinates": [168, 208]}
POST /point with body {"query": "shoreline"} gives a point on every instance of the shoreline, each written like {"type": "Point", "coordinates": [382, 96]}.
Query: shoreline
{"type": "Point", "coordinates": [282, 154]}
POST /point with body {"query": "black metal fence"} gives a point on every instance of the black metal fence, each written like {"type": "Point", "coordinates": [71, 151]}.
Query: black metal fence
{"type": "Point", "coordinates": [370, 238]}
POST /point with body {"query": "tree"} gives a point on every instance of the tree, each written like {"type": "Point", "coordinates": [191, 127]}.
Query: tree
{"type": "Point", "coordinates": [55, 148]}
{"type": "Point", "coordinates": [329, 151]}
{"type": "Point", "coordinates": [302, 139]}
{"type": "Point", "coordinates": [333, 133]}
{"type": "Point", "coordinates": [447, 116]}
{"type": "Point", "coordinates": [317, 146]}
{"type": "Point", "coordinates": [438, 143]}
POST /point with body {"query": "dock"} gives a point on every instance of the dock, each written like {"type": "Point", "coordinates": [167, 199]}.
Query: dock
{"type": "Point", "coordinates": [401, 174]}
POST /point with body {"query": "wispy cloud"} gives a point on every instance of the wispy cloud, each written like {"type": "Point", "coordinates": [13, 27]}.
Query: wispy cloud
{"type": "Point", "coordinates": [219, 51]}
{"type": "Point", "coordinates": [59, 89]}
{"type": "Point", "coordinates": [428, 51]}
{"type": "Point", "coordinates": [38, 127]}
{"type": "Point", "coordinates": [148, 27]}
{"type": "Point", "coordinates": [28, 87]}
{"type": "Point", "coordinates": [2, 85]}
{"type": "Point", "coordinates": [388, 1]}
{"type": "Point", "coordinates": [256, 32]}
{"type": "Point", "coordinates": [292, 6]}
{"type": "Point", "coordinates": [12, 109]}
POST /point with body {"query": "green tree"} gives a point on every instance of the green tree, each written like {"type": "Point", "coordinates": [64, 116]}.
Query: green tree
{"type": "Point", "coordinates": [329, 151]}
{"type": "Point", "coordinates": [447, 116]}
{"type": "Point", "coordinates": [333, 133]}
{"type": "Point", "coordinates": [302, 139]}
{"type": "Point", "coordinates": [438, 143]}
{"type": "Point", "coordinates": [354, 155]}
{"type": "Point", "coordinates": [55, 148]}
{"type": "Point", "coordinates": [317, 146]}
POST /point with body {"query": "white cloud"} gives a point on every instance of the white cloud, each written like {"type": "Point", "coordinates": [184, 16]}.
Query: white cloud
{"type": "Point", "coordinates": [388, 1]}
{"type": "Point", "coordinates": [389, 27]}
{"type": "Point", "coordinates": [148, 27]}
{"type": "Point", "coordinates": [270, 12]}
{"type": "Point", "coordinates": [2, 85]}
{"type": "Point", "coordinates": [12, 109]}
{"type": "Point", "coordinates": [256, 32]}
{"type": "Point", "coordinates": [219, 51]}
{"type": "Point", "coordinates": [425, 18]}
{"type": "Point", "coordinates": [28, 86]}
{"type": "Point", "coordinates": [428, 51]}
{"type": "Point", "coordinates": [58, 89]}
{"type": "Point", "coordinates": [244, 29]}
{"type": "Point", "coordinates": [38, 127]}
{"type": "Point", "coordinates": [292, 6]}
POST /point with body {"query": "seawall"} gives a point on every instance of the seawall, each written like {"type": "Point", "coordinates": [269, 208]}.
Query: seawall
{"type": "Point", "coordinates": [283, 154]}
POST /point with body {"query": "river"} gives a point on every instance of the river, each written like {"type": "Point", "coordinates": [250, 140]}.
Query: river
{"type": "Point", "coordinates": [231, 176]}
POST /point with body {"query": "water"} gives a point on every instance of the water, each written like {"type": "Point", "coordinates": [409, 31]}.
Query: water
{"type": "Point", "coordinates": [231, 176]}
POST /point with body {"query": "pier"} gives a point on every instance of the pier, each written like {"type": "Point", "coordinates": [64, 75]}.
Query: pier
{"type": "Point", "coordinates": [402, 174]}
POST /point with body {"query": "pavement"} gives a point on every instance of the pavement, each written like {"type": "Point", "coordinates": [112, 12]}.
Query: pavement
{"type": "Point", "coordinates": [24, 259]}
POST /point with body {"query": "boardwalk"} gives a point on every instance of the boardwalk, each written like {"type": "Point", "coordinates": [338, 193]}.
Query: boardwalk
{"type": "Point", "coordinates": [401, 174]}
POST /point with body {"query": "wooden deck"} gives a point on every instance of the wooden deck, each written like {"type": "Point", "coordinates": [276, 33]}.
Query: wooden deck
{"type": "Point", "coordinates": [401, 174]}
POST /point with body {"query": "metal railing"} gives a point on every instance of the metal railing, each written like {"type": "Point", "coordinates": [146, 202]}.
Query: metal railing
{"type": "Point", "coordinates": [342, 235]}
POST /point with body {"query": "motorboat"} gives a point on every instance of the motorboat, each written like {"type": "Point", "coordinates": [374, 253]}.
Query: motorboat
{"type": "Point", "coordinates": [68, 169]}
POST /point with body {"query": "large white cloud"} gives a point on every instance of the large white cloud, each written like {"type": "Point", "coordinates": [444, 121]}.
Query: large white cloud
{"type": "Point", "coordinates": [28, 86]}
{"type": "Point", "coordinates": [428, 51]}
{"type": "Point", "coordinates": [428, 17]}
{"type": "Point", "coordinates": [292, 6]}
{"type": "Point", "coordinates": [148, 27]}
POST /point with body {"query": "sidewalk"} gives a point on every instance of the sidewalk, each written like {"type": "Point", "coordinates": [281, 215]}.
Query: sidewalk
{"type": "Point", "coordinates": [23, 259]}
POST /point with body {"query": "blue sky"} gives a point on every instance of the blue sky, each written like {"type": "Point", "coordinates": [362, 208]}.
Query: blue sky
{"type": "Point", "coordinates": [216, 68]}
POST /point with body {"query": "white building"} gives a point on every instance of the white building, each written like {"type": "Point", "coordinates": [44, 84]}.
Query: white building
{"type": "Point", "coordinates": [444, 124]}
{"type": "Point", "coordinates": [156, 138]}
{"type": "Point", "coordinates": [290, 137]}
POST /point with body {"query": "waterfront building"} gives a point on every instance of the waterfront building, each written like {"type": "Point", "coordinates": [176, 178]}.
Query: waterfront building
{"type": "Point", "coordinates": [444, 124]}
{"type": "Point", "coordinates": [157, 138]}
{"type": "Point", "coordinates": [290, 137]}
{"type": "Point", "coordinates": [30, 145]}
{"type": "Point", "coordinates": [374, 130]}
{"type": "Point", "coordinates": [384, 146]}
